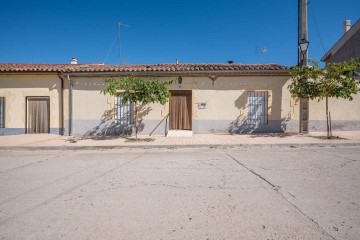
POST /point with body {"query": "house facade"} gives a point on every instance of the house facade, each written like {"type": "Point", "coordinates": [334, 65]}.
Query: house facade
{"type": "Point", "coordinates": [205, 98]}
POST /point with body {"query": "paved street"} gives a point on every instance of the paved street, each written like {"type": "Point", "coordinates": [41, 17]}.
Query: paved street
{"type": "Point", "coordinates": [233, 193]}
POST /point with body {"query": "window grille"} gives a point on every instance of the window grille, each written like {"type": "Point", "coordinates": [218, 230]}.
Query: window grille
{"type": "Point", "coordinates": [2, 112]}
{"type": "Point", "coordinates": [123, 111]}
{"type": "Point", "coordinates": [258, 108]}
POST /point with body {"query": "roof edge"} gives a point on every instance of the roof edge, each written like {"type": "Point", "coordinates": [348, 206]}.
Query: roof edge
{"type": "Point", "coordinates": [343, 39]}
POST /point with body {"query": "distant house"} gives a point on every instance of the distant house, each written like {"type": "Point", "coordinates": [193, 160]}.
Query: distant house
{"type": "Point", "coordinates": [205, 98]}
{"type": "Point", "coordinates": [347, 47]}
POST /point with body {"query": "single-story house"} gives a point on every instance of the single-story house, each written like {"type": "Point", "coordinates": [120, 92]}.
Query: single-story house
{"type": "Point", "coordinates": [206, 98]}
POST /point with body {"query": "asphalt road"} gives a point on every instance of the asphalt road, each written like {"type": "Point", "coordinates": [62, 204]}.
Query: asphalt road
{"type": "Point", "coordinates": [311, 193]}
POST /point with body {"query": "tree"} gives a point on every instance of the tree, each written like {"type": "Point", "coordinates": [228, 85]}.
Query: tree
{"type": "Point", "coordinates": [138, 91]}
{"type": "Point", "coordinates": [333, 80]}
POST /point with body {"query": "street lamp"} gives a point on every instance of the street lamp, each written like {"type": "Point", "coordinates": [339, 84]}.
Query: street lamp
{"type": "Point", "coordinates": [303, 46]}
{"type": "Point", "coordinates": [304, 103]}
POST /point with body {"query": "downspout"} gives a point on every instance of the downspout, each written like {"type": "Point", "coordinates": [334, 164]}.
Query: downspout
{"type": "Point", "coordinates": [70, 104]}
{"type": "Point", "coordinates": [61, 96]}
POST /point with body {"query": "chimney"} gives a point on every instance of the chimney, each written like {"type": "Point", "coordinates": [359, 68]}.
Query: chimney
{"type": "Point", "coordinates": [177, 61]}
{"type": "Point", "coordinates": [73, 61]}
{"type": "Point", "coordinates": [230, 61]}
{"type": "Point", "coordinates": [347, 25]}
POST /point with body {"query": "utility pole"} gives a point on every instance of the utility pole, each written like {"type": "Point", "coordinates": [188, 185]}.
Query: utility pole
{"type": "Point", "coordinates": [303, 43]}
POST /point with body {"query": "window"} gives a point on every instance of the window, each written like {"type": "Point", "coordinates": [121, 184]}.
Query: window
{"type": "Point", "coordinates": [123, 112]}
{"type": "Point", "coordinates": [2, 112]}
{"type": "Point", "coordinates": [258, 104]}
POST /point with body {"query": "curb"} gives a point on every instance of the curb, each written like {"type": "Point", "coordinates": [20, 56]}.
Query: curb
{"type": "Point", "coordinates": [220, 146]}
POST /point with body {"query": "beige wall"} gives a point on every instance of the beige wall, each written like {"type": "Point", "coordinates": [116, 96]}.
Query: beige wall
{"type": "Point", "coordinates": [340, 109]}
{"type": "Point", "coordinates": [15, 88]}
{"type": "Point", "coordinates": [88, 103]}
{"type": "Point", "coordinates": [345, 115]}
{"type": "Point", "coordinates": [226, 100]}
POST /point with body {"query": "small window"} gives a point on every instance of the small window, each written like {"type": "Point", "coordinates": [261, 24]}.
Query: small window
{"type": "Point", "coordinates": [123, 112]}
{"type": "Point", "coordinates": [258, 104]}
{"type": "Point", "coordinates": [2, 112]}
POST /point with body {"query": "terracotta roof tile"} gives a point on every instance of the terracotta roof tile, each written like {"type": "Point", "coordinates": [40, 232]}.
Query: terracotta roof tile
{"type": "Point", "coordinates": [73, 68]}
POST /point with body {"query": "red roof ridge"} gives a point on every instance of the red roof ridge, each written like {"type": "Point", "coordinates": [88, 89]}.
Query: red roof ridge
{"type": "Point", "coordinates": [163, 67]}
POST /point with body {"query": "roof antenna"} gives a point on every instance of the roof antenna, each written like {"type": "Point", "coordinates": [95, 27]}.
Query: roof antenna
{"type": "Point", "coordinates": [120, 24]}
{"type": "Point", "coordinates": [262, 51]}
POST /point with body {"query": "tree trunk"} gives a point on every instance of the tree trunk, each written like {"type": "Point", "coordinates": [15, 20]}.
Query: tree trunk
{"type": "Point", "coordinates": [136, 121]}
{"type": "Point", "coordinates": [327, 118]}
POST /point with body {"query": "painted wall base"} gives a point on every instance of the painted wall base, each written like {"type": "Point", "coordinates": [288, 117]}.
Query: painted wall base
{"type": "Point", "coordinates": [11, 131]}
{"type": "Point", "coordinates": [19, 131]}
{"type": "Point", "coordinates": [158, 127]}
{"type": "Point", "coordinates": [336, 125]}
{"type": "Point", "coordinates": [239, 127]}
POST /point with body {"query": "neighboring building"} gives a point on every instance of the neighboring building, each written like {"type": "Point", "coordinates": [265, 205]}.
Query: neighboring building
{"type": "Point", "coordinates": [344, 113]}
{"type": "Point", "coordinates": [347, 47]}
{"type": "Point", "coordinates": [210, 98]}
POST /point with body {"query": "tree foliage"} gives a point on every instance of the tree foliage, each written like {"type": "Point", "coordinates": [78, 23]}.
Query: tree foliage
{"type": "Point", "coordinates": [333, 80]}
{"type": "Point", "coordinates": [138, 91]}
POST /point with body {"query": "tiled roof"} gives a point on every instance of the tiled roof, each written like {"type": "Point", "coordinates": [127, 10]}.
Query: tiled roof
{"type": "Point", "coordinates": [75, 68]}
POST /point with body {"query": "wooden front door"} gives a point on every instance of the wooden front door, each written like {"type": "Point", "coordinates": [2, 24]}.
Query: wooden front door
{"type": "Point", "coordinates": [38, 115]}
{"type": "Point", "coordinates": [180, 110]}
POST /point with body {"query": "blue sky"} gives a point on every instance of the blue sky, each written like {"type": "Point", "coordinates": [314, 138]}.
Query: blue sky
{"type": "Point", "coordinates": [160, 31]}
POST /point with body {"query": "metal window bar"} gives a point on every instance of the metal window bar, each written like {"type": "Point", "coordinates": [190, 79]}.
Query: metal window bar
{"type": "Point", "coordinates": [257, 105]}
{"type": "Point", "coordinates": [123, 112]}
{"type": "Point", "coordinates": [2, 112]}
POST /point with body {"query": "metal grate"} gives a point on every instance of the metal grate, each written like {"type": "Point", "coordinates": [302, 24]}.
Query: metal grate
{"type": "Point", "coordinates": [258, 104]}
{"type": "Point", "coordinates": [2, 112]}
{"type": "Point", "coordinates": [123, 112]}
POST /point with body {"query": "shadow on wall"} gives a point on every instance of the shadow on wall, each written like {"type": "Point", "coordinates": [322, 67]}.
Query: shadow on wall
{"type": "Point", "coordinates": [108, 126]}
{"type": "Point", "coordinates": [242, 125]}
{"type": "Point", "coordinates": [257, 121]}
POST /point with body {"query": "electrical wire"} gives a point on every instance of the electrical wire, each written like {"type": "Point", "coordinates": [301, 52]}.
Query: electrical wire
{"type": "Point", "coordinates": [112, 45]}
{"type": "Point", "coordinates": [316, 26]}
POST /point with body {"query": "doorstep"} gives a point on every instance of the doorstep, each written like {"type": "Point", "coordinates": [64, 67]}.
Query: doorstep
{"type": "Point", "coordinates": [179, 133]}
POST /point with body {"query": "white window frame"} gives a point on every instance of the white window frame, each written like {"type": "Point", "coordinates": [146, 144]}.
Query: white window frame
{"type": "Point", "coordinates": [257, 108]}
{"type": "Point", "coordinates": [124, 113]}
{"type": "Point", "coordinates": [2, 112]}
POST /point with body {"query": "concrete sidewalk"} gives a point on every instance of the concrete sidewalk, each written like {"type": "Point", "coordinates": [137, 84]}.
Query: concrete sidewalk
{"type": "Point", "coordinates": [49, 141]}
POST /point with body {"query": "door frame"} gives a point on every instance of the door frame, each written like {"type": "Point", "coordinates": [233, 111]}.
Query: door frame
{"type": "Point", "coordinates": [26, 111]}
{"type": "Point", "coordinates": [188, 94]}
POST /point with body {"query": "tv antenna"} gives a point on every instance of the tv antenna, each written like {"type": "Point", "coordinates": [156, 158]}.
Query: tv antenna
{"type": "Point", "coordinates": [262, 51]}
{"type": "Point", "coordinates": [125, 25]}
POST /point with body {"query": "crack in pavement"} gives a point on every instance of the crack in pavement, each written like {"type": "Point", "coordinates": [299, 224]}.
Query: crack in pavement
{"type": "Point", "coordinates": [277, 189]}
{"type": "Point", "coordinates": [252, 171]}
{"type": "Point", "coordinates": [68, 190]}
{"type": "Point", "coordinates": [350, 160]}
{"type": "Point", "coordinates": [48, 184]}
{"type": "Point", "coordinates": [32, 163]}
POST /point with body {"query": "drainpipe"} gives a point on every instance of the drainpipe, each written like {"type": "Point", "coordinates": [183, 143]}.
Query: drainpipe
{"type": "Point", "coordinates": [70, 104]}
{"type": "Point", "coordinates": [61, 96]}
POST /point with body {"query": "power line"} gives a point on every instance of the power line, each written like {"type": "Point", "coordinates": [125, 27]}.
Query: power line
{"type": "Point", "coordinates": [112, 45]}
{"type": "Point", "coordinates": [316, 27]}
